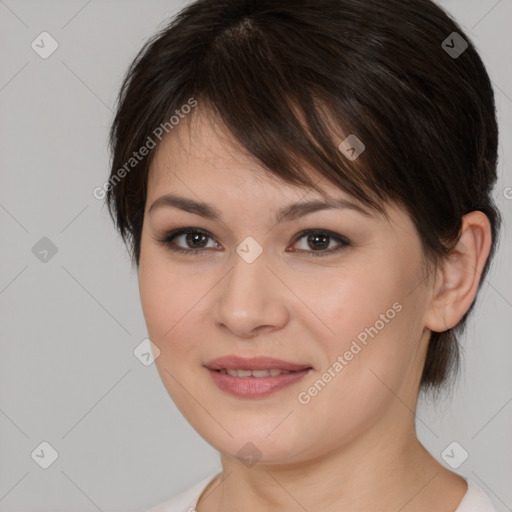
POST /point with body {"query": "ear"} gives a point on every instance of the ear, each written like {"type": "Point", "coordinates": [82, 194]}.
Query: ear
{"type": "Point", "coordinates": [459, 274]}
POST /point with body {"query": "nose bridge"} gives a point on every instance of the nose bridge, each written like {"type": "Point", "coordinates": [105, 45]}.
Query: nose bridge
{"type": "Point", "coordinates": [249, 267]}
{"type": "Point", "coordinates": [248, 298]}
{"type": "Point", "coordinates": [248, 280]}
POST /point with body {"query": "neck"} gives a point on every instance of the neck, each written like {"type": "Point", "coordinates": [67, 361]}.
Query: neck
{"type": "Point", "coordinates": [386, 469]}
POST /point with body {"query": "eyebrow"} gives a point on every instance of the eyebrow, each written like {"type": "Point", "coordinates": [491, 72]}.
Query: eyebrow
{"type": "Point", "coordinates": [288, 213]}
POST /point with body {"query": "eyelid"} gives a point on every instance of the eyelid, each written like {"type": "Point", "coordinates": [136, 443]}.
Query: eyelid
{"type": "Point", "coordinates": [167, 238]}
{"type": "Point", "coordinates": [343, 242]}
{"type": "Point", "coordinates": [327, 232]}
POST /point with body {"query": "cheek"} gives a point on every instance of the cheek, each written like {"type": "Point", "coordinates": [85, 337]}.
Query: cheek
{"type": "Point", "coordinates": [368, 324]}
{"type": "Point", "coordinates": [166, 295]}
{"type": "Point", "coordinates": [172, 302]}
{"type": "Point", "coordinates": [154, 296]}
{"type": "Point", "coordinates": [164, 302]}
{"type": "Point", "coordinates": [168, 301]}
{"type": "Point", "coordinates": [345, 303]}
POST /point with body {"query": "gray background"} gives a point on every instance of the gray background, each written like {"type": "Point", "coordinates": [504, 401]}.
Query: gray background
{"type": "Point", "coordinates": [69, 325]}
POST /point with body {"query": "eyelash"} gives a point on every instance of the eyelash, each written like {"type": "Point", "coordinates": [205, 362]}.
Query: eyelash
{"type": "Point", "coordinates": [167, 241]}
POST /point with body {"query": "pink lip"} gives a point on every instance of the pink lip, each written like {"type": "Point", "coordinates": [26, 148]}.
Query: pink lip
{"type": "Point", "coordinates": [254, 387]}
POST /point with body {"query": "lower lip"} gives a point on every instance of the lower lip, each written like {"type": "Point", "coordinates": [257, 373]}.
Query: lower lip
{"type": "Point", "coordinates": [255, 387]}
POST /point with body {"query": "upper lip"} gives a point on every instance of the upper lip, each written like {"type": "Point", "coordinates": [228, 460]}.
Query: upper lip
{"type": "Point", "coordinates": [253, 363]}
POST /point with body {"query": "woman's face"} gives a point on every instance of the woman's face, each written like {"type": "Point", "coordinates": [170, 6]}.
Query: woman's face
{"type": "Point", "coordinates": [252, 286]}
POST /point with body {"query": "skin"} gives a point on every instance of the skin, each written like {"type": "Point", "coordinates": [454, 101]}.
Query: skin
{"type": "Point", "coordinates": [354, 445]}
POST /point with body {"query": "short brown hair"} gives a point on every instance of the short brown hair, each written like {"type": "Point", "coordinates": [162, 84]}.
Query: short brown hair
{"type": "Point", "coordinates": [276, 71]}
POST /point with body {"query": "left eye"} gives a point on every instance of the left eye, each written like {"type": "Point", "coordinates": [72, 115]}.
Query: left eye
{"type": "Point", "coordinates": [318, 240]}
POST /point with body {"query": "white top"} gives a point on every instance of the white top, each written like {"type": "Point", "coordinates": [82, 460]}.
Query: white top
{"type": "Point", "coordinates": [475, 499]}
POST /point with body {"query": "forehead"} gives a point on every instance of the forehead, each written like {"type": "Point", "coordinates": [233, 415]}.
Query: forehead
{"type": "Point", "coordinates": [201, 145]}
{"type": "Point", "coordinates": [201, 160]}
{"type": "Point", "coordinates": [202, 157]}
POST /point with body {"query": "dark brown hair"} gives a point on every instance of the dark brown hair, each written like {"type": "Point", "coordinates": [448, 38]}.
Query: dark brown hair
{"type": "Point", "coordinates": [282, 75]}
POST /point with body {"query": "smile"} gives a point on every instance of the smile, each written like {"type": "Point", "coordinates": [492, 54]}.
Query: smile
{"type": "Point", "coordinates": [252, 384]}
{"type": "Point", "coordinates": [253, 373]}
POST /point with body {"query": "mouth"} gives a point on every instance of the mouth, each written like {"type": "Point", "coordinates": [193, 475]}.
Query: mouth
{"type": "Point", "coordinates": [254, 364]}
{"type": "Point", "coordinates": [273, 372]}
{"type": "Point", "coordinates": [254, 377]}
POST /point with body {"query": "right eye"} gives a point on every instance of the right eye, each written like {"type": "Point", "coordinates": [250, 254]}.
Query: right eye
{"type": "Point", "coordinates": [192, 236]}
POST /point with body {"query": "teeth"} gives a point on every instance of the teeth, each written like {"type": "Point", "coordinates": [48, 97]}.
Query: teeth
{"type": "Point", "coordinates": [254, 373]}
{"type": "Point", "coordinates": [261, 373]}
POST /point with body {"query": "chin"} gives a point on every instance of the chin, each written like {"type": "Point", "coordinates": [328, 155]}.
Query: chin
{"type": "Point", "coordinates": [254, 443]}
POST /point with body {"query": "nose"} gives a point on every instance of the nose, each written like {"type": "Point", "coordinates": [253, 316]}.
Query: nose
{"type": "Point", "coordinates": [251, 300]}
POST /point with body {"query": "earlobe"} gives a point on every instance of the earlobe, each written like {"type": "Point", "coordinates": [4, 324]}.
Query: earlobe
{"type": "Point", "coordinates": [459, 274]}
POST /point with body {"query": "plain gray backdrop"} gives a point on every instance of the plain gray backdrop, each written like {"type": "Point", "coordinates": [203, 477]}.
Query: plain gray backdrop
{"type": "Point", "coordinates": [69, 304]}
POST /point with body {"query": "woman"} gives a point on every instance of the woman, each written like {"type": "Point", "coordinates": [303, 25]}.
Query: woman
{"type": "Point", "coordinates": [305, 189]}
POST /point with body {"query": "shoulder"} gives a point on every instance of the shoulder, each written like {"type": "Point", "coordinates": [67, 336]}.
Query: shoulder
{"type": "Point", "coordinates": [186, 500]}
{"type": "Point", "coordinates": [475, 500]}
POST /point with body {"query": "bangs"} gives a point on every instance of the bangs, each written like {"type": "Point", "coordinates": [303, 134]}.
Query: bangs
{"type": "Point", "coordinates": [254, 91]}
